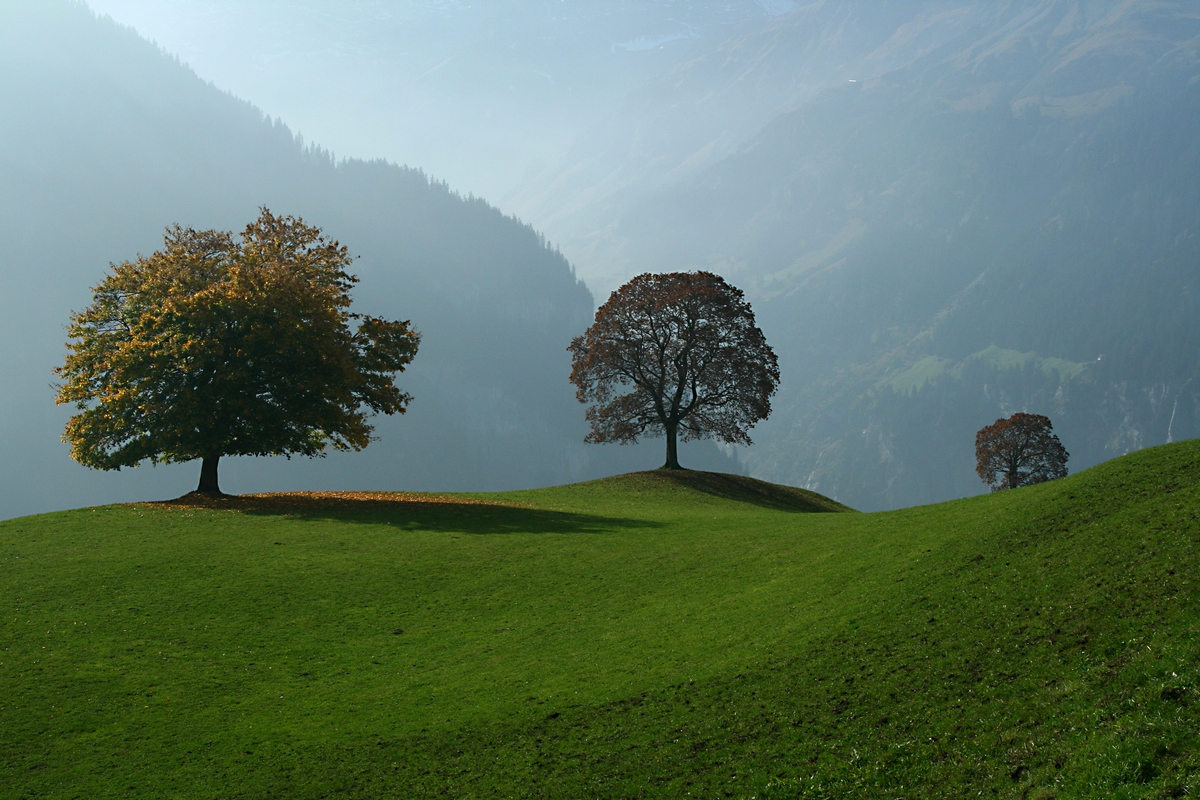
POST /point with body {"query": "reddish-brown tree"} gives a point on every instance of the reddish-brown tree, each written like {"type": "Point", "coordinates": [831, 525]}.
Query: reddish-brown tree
{"type": "Point", "coordinates": [676, 354]}
{"type": "Point", "coordinates": [1019, 451]}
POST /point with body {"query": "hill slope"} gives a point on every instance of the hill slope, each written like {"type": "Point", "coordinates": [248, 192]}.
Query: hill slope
{"type": "Point", "coordinates": [626, 638]}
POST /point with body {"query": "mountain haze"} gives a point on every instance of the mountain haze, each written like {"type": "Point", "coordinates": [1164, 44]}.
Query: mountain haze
{"type": "Point", "coordinates": [943, 211]}
{"type": "Point", "coordinates": [480, 94]}
{"type": "Point", "coordinates": [1007, 221]}
{"type": "Point", "coordinates": [106, 140]}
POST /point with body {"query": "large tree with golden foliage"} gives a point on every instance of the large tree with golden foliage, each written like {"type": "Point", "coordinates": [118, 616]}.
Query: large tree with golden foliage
{"type": "Point", "coordinates": [676, 354]}
{"type": "Point", "coordinates": [222, 345]}
{"type": "Point", "coordinates": [1019, 451]}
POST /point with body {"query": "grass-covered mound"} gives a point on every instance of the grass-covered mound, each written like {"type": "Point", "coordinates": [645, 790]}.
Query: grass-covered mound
{"type": "Point", "coordinates": [648, 635]}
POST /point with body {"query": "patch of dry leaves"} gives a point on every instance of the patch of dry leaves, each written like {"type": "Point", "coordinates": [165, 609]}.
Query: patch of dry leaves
{"type": "Point", "coordinates": [290, 502]}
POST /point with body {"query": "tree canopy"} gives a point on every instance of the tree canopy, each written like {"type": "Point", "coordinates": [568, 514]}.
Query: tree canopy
{"type": "Point", "coordinates": [1019, 451]}
{"type": "Point", "coordinates": [222, 345]}
{"type": "Point", "coordinates": [674, 354]}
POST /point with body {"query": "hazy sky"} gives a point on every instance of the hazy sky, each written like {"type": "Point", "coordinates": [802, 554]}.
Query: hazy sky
{"type": "Point", "coordinates": [479, 95]}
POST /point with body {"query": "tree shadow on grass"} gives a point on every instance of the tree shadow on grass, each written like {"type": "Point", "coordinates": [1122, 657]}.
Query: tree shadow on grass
{"type": "Point", "coordinates": [408, 511]}
{"type": "Point", "coordinates": [743, 489]}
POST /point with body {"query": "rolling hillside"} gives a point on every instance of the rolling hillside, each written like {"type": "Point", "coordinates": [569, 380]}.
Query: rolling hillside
{"type": "Point", "coordinates": [642, 636]}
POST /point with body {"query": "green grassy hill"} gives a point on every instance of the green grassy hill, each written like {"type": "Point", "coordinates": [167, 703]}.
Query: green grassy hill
{"type": "Point", "coordinates": [646, 635]}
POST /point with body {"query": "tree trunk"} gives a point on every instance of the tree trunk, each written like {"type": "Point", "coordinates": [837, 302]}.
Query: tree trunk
{"type": "Point", "coordinates": [208, 475]}
{"type": "Point", "coordinates": [1014, 473]}
{"type": "Point", "coordinates": [672, 450]}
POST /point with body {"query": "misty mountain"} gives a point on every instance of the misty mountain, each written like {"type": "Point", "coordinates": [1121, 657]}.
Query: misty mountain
{"type": "Point", "coordinates": [701, 105]}
{"type": "Point", "coordinates": [480, 94]}
{"type": "Point", "coordinates": [943, 211]}
{"type": "Point", "coordinates": [1008, 221]}
{"type": "Point", "coordinates": [105, 140]}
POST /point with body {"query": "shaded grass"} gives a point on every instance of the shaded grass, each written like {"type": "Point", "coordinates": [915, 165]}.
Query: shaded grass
{"type": "Point", "coordinates": [410, 511]}
{"type": "Point", "coordinates": [684, 485]}
{"type": "Point", "coordinates": [1035, 643]}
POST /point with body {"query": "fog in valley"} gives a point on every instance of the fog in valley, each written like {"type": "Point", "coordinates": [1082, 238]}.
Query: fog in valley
{"type": "Point", "coordinates": [943, 212]}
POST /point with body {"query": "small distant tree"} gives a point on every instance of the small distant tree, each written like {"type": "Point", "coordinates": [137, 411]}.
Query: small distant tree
{"type": "Point", "coordinates": [218, 346]}
{"type": "Point", "coordinates": [676, 354]}
{"type": "Point", "coordinates": [1019, 451]}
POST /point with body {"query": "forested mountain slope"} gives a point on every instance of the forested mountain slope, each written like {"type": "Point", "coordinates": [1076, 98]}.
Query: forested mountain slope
{"type": "Point", "coordinates": [105, 140]}
{"type": "Point", "coordinates": [1009, 221]}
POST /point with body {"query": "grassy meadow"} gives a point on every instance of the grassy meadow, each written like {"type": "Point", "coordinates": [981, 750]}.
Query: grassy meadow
{"type": "Point", "coordinates": [649, 635]}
